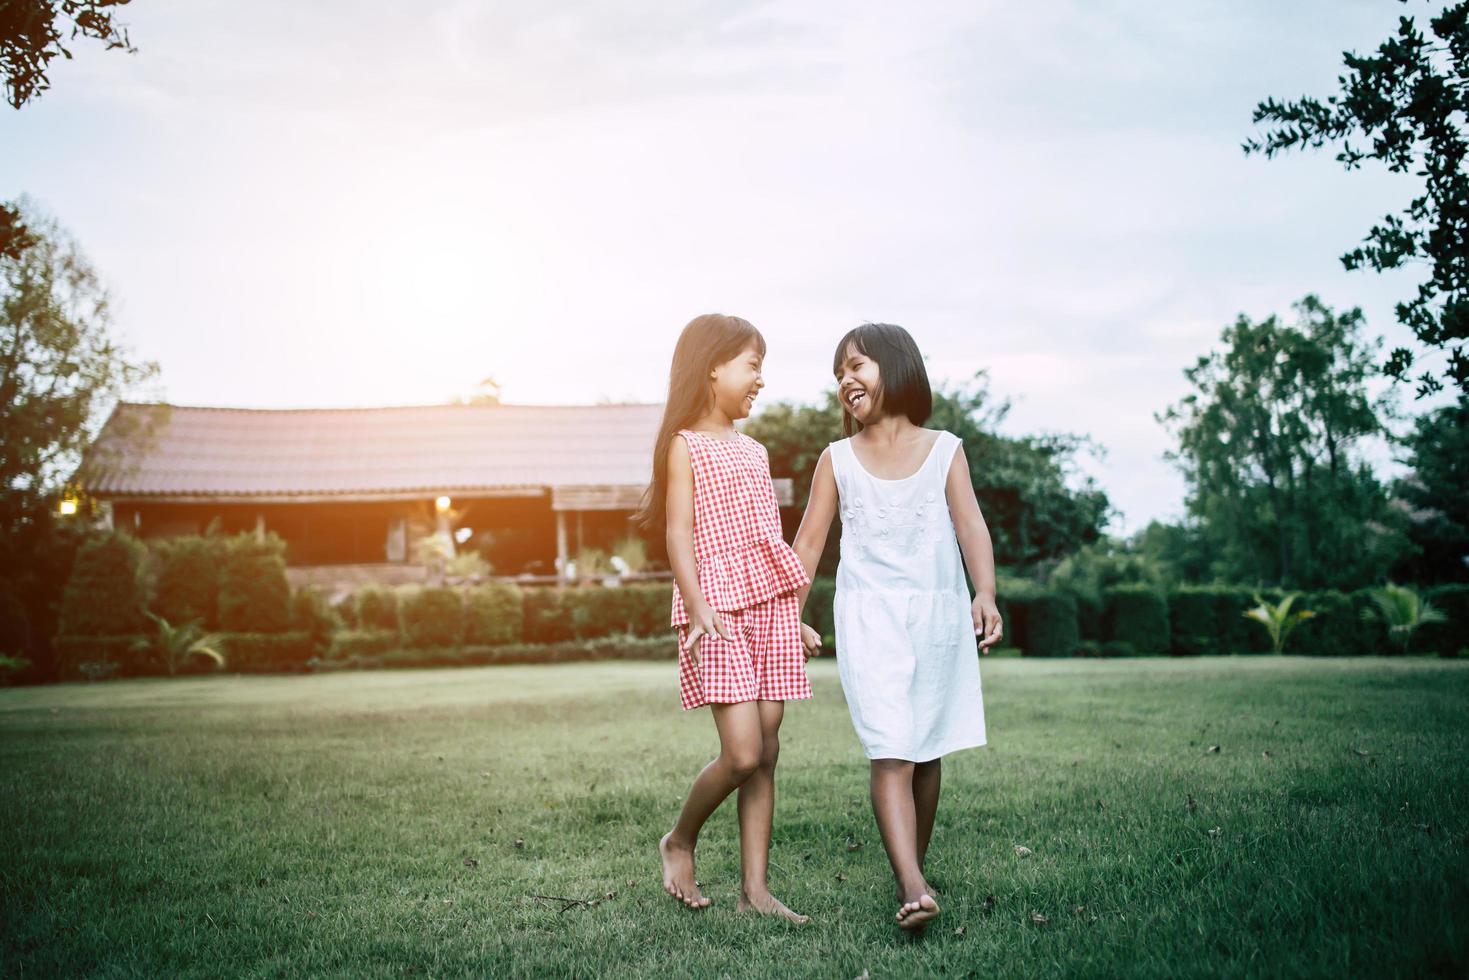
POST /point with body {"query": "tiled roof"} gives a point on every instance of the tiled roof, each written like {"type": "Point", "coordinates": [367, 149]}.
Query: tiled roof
{"type": "Point", "coordinates": [270, 453]}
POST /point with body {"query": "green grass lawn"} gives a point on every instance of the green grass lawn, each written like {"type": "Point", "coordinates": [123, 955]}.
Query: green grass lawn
{"type": "Point", "coordinates": [400, 822]}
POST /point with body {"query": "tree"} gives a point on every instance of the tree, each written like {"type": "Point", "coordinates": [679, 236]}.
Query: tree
{"type": "Point", "coordinates": [1436, 495]}
{"type": "Point", "coordinates": [1409, 101]}
{"type": "Point", "coordinates": [1022, 483]}
{"type": "Point", "coordinates": [1267, 444]}
{"type": "Point", "coordinates": [60, 366]}
{"type": "Point", "coordinates": [32, 32]}
{"type": "Point", "coordinates": [59, 369]}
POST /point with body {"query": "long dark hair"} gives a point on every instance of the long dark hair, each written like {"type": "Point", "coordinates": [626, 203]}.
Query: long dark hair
{"type": "Point", "coordinates": [904, 388]}
{"type": "Point", "coordinates": [706, 342]}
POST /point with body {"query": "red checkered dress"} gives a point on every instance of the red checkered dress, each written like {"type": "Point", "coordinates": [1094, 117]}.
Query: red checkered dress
{"type": "Point", "coordinates": [748, 574]}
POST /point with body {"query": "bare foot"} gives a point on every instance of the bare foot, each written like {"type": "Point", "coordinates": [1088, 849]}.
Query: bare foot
{"type": "Point", "coordinates": [678, 873]}
{"type": "Point", "coordinates": [917, 912]}
{"type": "Point", "coordinates": [767, 904]}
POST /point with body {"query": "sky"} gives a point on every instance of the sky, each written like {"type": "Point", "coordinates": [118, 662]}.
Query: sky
{"type": "Point", "coordinates": [314, 203]}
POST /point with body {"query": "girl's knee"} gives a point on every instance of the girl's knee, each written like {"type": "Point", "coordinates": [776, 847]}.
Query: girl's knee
{"type": "Point", "coordinates": [743, 761]}
{"type": "Point", "coordinates": [769, 752]}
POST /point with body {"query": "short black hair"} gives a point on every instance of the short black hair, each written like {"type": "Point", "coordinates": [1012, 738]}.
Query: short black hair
{"type": "Point", "coordinates": [904, 388]}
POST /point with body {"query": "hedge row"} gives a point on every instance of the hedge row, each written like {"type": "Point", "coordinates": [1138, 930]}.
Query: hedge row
{"type": "Point", "coordinates": [237, 584]}
{"type": "Point", "coordinates": [503, 613]}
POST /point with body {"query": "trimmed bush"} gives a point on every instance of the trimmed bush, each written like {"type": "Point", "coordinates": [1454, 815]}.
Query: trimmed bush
{"type": "Point", "coordinates": [257, 653]}
{"type": "Point", "coordinates": [1049, 624]}
{"type": "Point", "coordinates": [1447, 639]}
{"type": "Point", "coordinates": [186, 580]}
{"type": "Point", "coordinates": [376, 608]}
{"type": "Point", "coordinates": [1137, 614]}
{"type": "Point", "coordinates": [494, 614]}
{"type": "Point", "coordinates": [432, 617]}
{"type": "Point", "coordinates": [1332, 631]}
{"type": "Point", "coordinates": [106, 594]}
{"type": "Point", "coordinates": [547, 615]}
{"type": "Point", "coordinates": [1088, 648]}
{"type": "Point", "coordinates": [819, 603]}
{"type": "Point", "coordinates": [362, 643]}
{"type": "Point", "coordinates": [312, 614]}
{"type": "Point", "coordinates": [1118, 648]}
{"type": "Point", "coordinates": [1373, 637]}
{"type": "Point", "coordinates": [254, 596]}
{"type": "Point", "coordinates": [1193, 621]}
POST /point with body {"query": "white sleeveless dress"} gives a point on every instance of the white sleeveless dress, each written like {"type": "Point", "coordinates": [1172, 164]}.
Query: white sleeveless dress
{"type": "Point", "coordinates": [906, 649]}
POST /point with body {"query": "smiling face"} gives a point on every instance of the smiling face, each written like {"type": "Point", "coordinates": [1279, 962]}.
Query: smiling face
{"type": "Point", "coordinates": [859, 385]}
{"type": "Point", "coordinates": [737, 382]}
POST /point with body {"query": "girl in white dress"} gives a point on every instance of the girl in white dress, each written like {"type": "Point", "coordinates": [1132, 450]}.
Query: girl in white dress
{"type": "Point", "coordinates": [908, 635]}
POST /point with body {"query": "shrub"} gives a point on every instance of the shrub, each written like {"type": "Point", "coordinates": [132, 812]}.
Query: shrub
{"type": "Point", "coordinates": [1372, 633]}
{"type": "Point", "coordinates": [186, 580]}
{"type": "Point", "coordinates": [1118, 648]}
{"type": "Point", "coordinates": [376, 608]}
{"type": "Point", "coordinates": [347, 644]}
{"type": "Point", "coordinates": [254, 653]}
{"type": "Point", "coordinates": [313, 614]}
{"type": "Point", "coordinates": [1279, 619]}
{"type": "Point", "coordinates": [1088, 648]}
{"type": "Point", "coordinates": [1452, 635]}
{"type": "Point", "coordinates": [15, 624]}
{"type": "Point", "coordinates": [174, 648]}
{"type": "Point", "coordinates": [547, 615]}
{"type": "Point", "coordinates": [819, 601]}
{"type": "Point", "coordinates": [630, 610]}
{"type": "Point", "coordinates": [1014, 597]}
{"type": "Point", "coordinates": [1403, 612]}
{"type": "Point", "coordinates": [1137, 614]}
{"type": "Point", "coordinates": [254, 596]}
{"type": "Point", "coordinates": [106, 594]}
{"type": "Point", "coordinates": [493, 614]}
{"type": "Point", "coordinates": [433, 617]}
{"type": "Point", "coordinates": [1194, 621]}
{"type": "Point", "coordinates": [1050, 624]}
{"type": "Point", "coordinates": [1334, 630]}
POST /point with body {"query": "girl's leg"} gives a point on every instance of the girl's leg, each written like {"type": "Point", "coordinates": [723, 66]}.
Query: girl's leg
{"type": "Point", "coordinates": [738, 759]}
{"type": "Point", "coordinates": [926, 779]}
{"type": "Point", "coordinates": [757, 811]}
{"type": "Point", "coordinates": [897, 821]}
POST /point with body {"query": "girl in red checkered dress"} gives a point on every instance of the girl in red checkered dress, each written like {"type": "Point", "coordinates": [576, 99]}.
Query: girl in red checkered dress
{"type": "Point", "coordinates": [735, 601]}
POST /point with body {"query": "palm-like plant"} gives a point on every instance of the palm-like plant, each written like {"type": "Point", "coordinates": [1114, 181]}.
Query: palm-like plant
{"type": "Point", "coordinates": [1402, 610]}
{"type": "Point", "coordinates": [633, 554]}
{"type": "Point", "coordinates": [176, 644]}
{"type": "Point", "coordinates": [1279, 621]}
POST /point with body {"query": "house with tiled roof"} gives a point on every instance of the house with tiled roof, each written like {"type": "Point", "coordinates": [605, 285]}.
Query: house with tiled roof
{"type": "Point", "coordinates": [529, 485]}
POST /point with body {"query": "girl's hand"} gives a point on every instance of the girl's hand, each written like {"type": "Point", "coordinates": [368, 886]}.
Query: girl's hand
{"type": "Point", "coordinates": [704, 621]}
{"type": "Point", "coordinates": [987, 625]}
{"type": "Point", "coordinates": [811, 640]}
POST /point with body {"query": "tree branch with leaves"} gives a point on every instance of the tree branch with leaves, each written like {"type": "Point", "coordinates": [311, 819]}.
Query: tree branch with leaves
{"type": "Point", "coordinates": [1404, 106]}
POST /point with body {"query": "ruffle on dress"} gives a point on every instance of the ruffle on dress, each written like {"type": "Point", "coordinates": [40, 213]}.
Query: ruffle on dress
{"type": "Point", "coordinates": [745, 578]}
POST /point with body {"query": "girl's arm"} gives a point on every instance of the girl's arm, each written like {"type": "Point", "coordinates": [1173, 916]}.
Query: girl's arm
{"type": "Point", "coordinates": [979, 554]}
{"type": "Point", "coordinates": [810, 541]}
{"type": "Point", "coordinates": [679, 507]}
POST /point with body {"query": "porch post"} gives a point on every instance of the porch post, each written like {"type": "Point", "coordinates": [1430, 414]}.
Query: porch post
{"type": "Point", "coordinates": [561, 544]}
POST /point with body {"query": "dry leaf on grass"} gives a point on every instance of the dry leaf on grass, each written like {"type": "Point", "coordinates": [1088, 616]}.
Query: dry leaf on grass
{"type": "Point", "coordinates": [1212, 750]}
{"type": "Point", "coordinates": [959, 931]}
{"type": "Point", "coordinates": [989, 904]}
{"type": "Point", "coordinates": [1037, 918]}
{"type": "Point", "coordinates": [1022, 851]}
{"type": "Point", "coordinates": [471, 862]}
